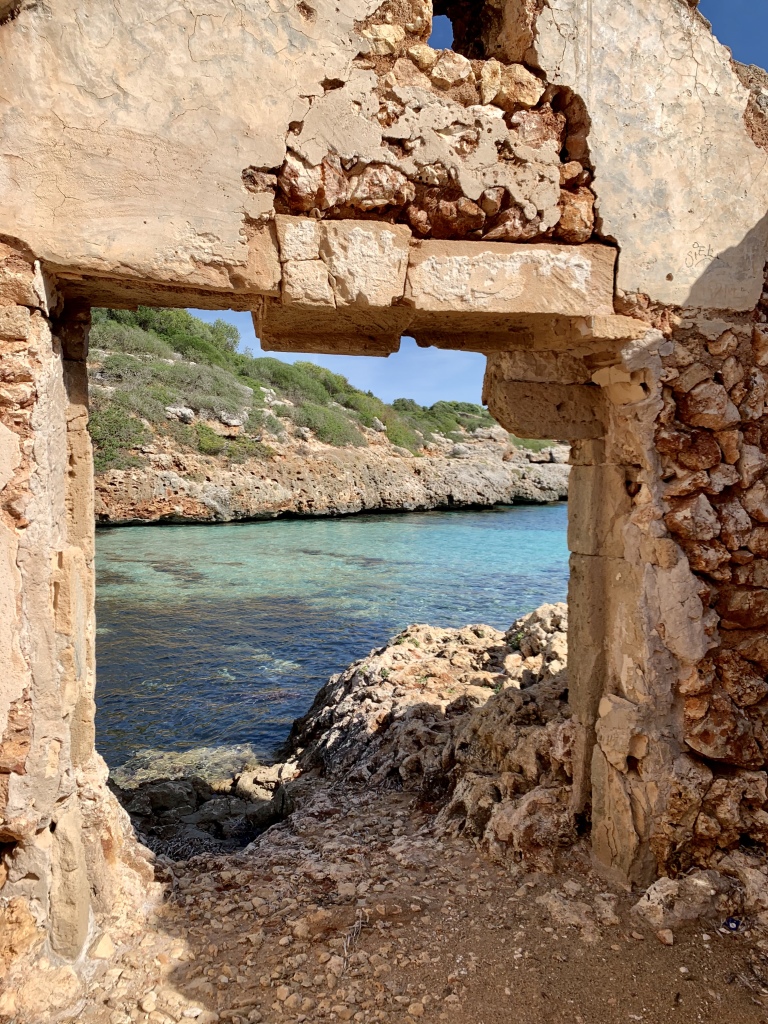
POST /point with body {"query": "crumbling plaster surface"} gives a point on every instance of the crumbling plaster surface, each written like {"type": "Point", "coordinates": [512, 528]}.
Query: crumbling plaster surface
{"type": "Point", "coordinates": [681, 185]}
{"type": "Point", "coordinates": [70, 862]}
{"type": "Point", "coordinates": [126, 131]}
{"type": "Point", "coordinates": [126, 127]}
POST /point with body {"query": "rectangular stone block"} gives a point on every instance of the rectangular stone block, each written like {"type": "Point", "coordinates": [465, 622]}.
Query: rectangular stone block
{"type": "Point", "coordinates": [598, 506]}
{"type": "Point", "coordinates": [565, 411]}
{"type": "Point", "coordinates": [299, 238]}
{"type": "Point", "coordinates": [367, 261]}
{"type": "Point", "coordinates": [350, 330]}
{"type": "Point", "coordinates": [70, 897]}
{"type": "Point", "coordinates": [14, 323]}
{"type": "Point", "coordinates": [487, 277]}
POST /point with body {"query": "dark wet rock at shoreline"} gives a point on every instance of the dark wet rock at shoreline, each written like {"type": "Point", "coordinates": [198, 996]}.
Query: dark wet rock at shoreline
{"type": "Point", "coordinates": [183, 817]}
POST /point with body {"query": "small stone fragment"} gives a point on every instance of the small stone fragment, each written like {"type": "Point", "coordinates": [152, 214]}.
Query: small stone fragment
{"type": "Point", "coordinates": [103, 948]}
{"type": "Point", "coordinates": [423, 56]}
{"type": "Point", "coordinates": [384, 39]}
{"type": "Point", "coordinates": [577, 216]}
{"type": "Point", "coordinates": [514, 225]}
{"type": "Point", "coordinates": [452, 69]}
{"type": "Point", "coordinates": [665, 936]}
{"type": "Point", "coordinates": [519, 88]}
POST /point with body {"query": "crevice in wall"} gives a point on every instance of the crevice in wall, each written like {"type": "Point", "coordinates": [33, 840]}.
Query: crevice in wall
{"type": "Point", "coordinates": [755, 79]}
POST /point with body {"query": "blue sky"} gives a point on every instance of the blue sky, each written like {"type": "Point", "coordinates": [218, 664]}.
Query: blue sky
{"type": "Point", "coordinates": [428, 375]}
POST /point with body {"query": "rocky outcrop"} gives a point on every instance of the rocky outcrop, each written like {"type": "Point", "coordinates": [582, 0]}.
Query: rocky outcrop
{"type": "Point", "coordinates": [183, 817]}
{"type": "Point", "coordinates": [474, 720]}
{"type": "Point", "coordinates": [313, 479]}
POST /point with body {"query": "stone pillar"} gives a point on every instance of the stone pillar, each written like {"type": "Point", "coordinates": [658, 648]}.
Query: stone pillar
{"type": "Point", "coordinates": [635, 621]}
{"type": "Point", "coordinates": [67, 849]}
{"type": "Point", "coordinates": [34, 783]}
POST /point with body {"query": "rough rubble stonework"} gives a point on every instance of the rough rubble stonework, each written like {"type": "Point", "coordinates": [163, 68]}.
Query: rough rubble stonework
{"type": "Point", "coordinates": [558, 193]}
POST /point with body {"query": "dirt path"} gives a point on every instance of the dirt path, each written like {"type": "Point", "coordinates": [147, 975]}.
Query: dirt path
{"type": "Point", "coordinates": [354, 910]}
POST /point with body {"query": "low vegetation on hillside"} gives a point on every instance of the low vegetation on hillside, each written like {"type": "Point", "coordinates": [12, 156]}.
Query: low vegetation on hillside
{"type": "Point", "coordinates": [146, 362]}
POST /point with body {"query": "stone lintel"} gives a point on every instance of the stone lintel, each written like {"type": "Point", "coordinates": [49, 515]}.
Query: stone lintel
{"type": "Point", "coordinates": [353, 330]}
{"type": "Point", "coordinates": [503, 277]}
{"type": "Point", "coordinates": [546, 410]}
{"type": "Point", "coordinates": [221, 285]}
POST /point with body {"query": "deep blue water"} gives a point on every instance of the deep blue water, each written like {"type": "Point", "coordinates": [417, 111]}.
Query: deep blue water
{"type": "Point", "coordinates": [219, 636]}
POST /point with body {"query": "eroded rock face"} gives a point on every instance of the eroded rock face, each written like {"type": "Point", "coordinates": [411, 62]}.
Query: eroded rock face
{"type": "Point", "coordinates": [313, 479]}
{"type": "Point", "coordinates": [473, 720]}
{"type": "Point", "coordinates": [454, 148]}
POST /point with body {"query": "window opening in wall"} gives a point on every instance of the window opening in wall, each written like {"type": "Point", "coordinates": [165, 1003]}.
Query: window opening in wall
{"type": "Point", "coordinates": [442, 33]}
{"type": "Point", "coordinates": [215, 634]}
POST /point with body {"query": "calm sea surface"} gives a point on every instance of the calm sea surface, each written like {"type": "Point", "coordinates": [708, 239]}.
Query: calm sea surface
{"type": "Point", "coordinates": [216, 637]}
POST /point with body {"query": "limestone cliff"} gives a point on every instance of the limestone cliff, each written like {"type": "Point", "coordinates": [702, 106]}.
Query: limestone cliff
{"type": "Point", "coordinates": [310, 478]}
{"type": "Point", "coordinates": [186, 427]}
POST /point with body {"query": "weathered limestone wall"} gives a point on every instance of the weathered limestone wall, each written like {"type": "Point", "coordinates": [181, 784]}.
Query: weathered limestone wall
{"type": "Point", "coordinates": [669, 598]}
{"type": "Point", "coordinates": [712, 448]}
{"type": "Point", "coordinates": [69, 861]}
{"type": "Point", "coordinates": [147, 144]}
{"type": "Point", "coordinates": [320, 166]}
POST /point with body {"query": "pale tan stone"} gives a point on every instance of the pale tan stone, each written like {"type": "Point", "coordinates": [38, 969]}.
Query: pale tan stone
{"type": "Point", "coordinates": [518, 88]}
{"type": "Point", "coordinates": [598, 509]}
{"type": "Point", "coordinates": [451, 69]}
{"type": "Point", "coordinates": [384, 39]}
{"type": "Point", "coordinates": [620, 731]}
{"type": "Point", "coordinates": [490, 80]}
{"type": "Point", "coordinates": [299, 238]}
{"type": "Point", "coordinates": [530, 409]}
{"type": "Point", "coordinates": [367, 262]}
{"type": "Point", "coordinates": [70, 899]}
{"type": "Point", "coordinates": [423, 56]}
{"type": "Point", "coordinates": [14, 323]}
{"type": "Point", "coordinates": [307, 283]}
{"type": "Point", "coordinates": [486, 277]}
{"type": "Point", "coordinates": [102, 949]}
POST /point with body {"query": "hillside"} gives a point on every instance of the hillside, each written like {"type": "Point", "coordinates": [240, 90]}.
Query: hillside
{"type": "Point", "coordinates": [185, 426]}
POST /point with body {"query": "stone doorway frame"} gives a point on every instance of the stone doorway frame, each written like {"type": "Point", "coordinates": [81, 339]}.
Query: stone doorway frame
{"type": "Point", "coordinates": [560, 364]}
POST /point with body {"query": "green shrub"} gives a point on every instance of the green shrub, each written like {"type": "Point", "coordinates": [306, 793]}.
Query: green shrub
{"type": "Point", "coordinates": [115, 432]}
{"type": "Point", "coordinates": [404, 436]}
{"type": "Point", "coordinates": [176, 325]}
{"type": "Point", "coordinates": [366, 407]}
{"type": "Point", "coordinates": [273, 425]}
{"type": "Point", "coordinates": [213, 377]}
{"type": "Point", "coordinates": [532, 444]}
{"type": "Point", "coordinates": [117, 337]}
{"type": "Point", "coordinates": [328, 425]}
{"type": "Point", "coordinates": [208, 441]}
{"type": "Point", "coordinates": [183, 434]}
{"type": "Point", "coordinates": [242, 448]}
{"type": "Point", "coordinates": [292, 380]}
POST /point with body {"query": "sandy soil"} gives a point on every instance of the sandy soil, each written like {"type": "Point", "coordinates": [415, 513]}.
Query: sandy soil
{"type": "Point", "coordinates": [353, 909]}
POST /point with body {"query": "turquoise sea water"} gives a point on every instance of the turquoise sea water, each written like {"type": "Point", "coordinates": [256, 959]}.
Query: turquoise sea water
{"type": "Point", "coordinates": [216, 636]}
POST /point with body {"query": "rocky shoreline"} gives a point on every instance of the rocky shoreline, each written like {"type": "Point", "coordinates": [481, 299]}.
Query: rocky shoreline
{"type": "Point", "coordinates": [308, 478]}
{"type": "Point", "coordinates": [421, 714]}
{"type": "Point", "coordinates": [414, 856]}
{"type": "Point", "coordinates": [473, 722]}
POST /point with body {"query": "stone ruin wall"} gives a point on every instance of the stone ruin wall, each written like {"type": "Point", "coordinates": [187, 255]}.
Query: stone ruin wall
{"type": "Point", "coordinates": [656, 375]}
{"type": "Point", "coordinates": [70, 864]}
{"type": "Point", "coordinates": [454, 148]}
